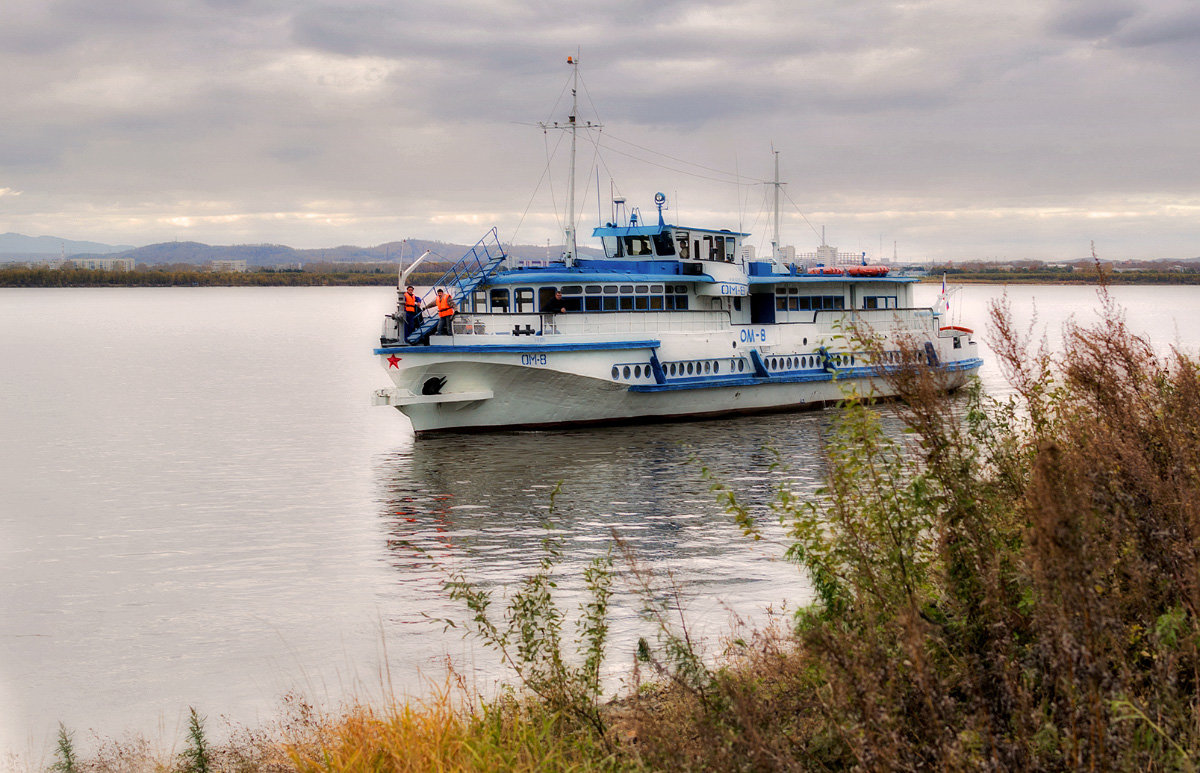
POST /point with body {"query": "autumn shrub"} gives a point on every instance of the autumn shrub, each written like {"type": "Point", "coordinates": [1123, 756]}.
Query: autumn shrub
{"type": "Point", "coordinates": [1011, 584]}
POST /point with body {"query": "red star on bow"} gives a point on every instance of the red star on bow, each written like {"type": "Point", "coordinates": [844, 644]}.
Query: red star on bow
{"type": "Point", "coordinates": [394, 362]}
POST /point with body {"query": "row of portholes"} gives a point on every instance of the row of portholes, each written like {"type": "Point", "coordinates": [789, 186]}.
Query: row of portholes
{"type": "Point", "coordinates": [898, 357]}
{"type": "Point", "coordinates": [679, 369]}
{"type": "Point", "coordinates": [634, 371]}
{"type": "Point", "coordinates": [807, 362]}
{"type": "Point", "coordinates": [702, 367]}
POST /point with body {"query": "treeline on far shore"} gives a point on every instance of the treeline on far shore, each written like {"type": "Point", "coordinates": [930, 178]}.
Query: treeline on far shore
{"type": "Point", "coordinates": [196, 277]}
{"type": "Point", "coordinates": [1050, 276]}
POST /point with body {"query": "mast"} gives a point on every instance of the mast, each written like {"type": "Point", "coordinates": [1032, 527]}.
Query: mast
{"type": "Point", "coordinates": [571, 244]}
{"type": "Point", "coordinates": [776, 244]}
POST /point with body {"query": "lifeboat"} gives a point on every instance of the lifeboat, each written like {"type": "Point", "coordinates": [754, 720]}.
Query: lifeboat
{"type": "Point", "coordinates": [867, 270]}
{"type": "Point", "coordinates": [826, 271]}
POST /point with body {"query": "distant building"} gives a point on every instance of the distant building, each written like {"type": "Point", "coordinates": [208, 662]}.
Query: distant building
{"type": "Point", "coordinates": [90, 264]}
{"type": "Point", "coordinates": [103, 264]}
{"type": "Point", "coordinates": [238, 266]}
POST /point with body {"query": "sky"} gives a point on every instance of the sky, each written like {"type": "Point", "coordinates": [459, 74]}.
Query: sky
{"type": "Point", "coordinates": [934, 129]}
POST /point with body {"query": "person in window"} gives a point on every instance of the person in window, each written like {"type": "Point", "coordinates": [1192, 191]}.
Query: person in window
{"type": "Point", "coordinates": [555, 306]}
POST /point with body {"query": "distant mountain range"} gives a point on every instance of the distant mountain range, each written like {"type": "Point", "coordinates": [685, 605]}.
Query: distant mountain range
{"type": "Point", "coordinates": [18, 247]}
{"type": "Point", "coordinates": [20, 244]}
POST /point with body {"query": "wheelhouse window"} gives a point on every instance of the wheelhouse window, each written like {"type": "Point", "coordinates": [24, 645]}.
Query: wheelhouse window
{"type": "Point", "coordinates": [637, 245]}
{"type": "Point", "coordinates": [523, 299]}
{"type": "Point", "coordinates": [479, 301]}
{"type": "Point", "coordinates": [663, 245]}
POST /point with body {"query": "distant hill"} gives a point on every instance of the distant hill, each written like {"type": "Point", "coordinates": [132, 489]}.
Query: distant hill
{"type": "Point", "coordinates": [21, 245]}
{"type": "Point", "coordinates": [18, 247]}
{"type": "Point", "coordinates": [280, 255]}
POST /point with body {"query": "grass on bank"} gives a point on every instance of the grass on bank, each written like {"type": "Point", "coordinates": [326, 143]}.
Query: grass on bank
{"type": "Point", "coordinates": [1012, 584]}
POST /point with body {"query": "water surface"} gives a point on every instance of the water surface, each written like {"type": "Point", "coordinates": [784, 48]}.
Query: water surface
{"type": "Point", "coordinates": [200, 507]}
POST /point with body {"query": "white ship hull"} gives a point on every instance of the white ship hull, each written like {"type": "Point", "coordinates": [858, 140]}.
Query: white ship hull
{"type": "Point", "coordinates": [489, 381]}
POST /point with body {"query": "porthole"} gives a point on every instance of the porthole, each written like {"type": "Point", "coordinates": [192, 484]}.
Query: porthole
{"type": "Point", "coordinates": [616, 372]}
{"type": "Point", "coordinates": [716, 367]}
{"type": "Point", "coordinates": [689, 368]}
{"type": "Point", "coordinates": [707, 366]}
{"type": "Point", "coordinates": [805, 342]}
{"type": "Point", "coordinates": [626, 371]}
{"type": "Point", "coordinates": [671, 368]}
{"type": "Point", "coordinates": [637, 371]}
{"type": "Point", "coordinates": [789, 363]}
{"type": "Point", "coordinates": [741, 365]}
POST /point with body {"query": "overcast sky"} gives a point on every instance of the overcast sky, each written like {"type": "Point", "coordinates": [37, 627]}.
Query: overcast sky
{"type": "Point", "coordinates": [955, 129]}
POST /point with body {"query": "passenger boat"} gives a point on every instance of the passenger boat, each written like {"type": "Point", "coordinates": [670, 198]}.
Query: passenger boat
{"type": "Point", "coordinates": [673, 322]}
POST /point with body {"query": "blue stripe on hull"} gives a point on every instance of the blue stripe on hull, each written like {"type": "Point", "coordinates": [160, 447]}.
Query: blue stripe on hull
{"type": "Point", "coordinates": [737, 380]}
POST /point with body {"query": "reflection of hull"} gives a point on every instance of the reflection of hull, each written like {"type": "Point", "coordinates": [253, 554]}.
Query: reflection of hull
{"type": "Point", "coordinates": [475, 389]}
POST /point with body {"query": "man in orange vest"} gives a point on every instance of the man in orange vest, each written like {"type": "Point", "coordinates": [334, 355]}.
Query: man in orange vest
{"type": "Point", "coordinates": [445, 310]}
{"type": "Point", "coordinates": [412, 312]}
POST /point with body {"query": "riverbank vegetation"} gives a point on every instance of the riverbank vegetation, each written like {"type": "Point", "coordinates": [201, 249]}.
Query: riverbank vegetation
{"type": "Point", "coordinates": [1013, 584]}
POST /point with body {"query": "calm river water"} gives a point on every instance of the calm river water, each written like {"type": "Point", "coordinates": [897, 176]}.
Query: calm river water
{"type": "Point", "coordinates": [200, 508]}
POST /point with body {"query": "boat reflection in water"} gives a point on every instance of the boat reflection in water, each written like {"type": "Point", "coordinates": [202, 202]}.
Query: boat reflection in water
{"type": "Point", "coordinates": [477, 504]}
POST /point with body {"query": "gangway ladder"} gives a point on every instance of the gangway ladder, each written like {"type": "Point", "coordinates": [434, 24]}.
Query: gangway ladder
{"type": "Point", "coordinates": [472, 269]}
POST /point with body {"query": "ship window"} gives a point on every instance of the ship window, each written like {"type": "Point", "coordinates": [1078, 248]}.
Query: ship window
{"type": "Point", "coordinates": [717, 366]}
{"type": "Point", "coordinates": [781, 303]}
{"type": "Point", "coordinates": [625, 372]}
{"type": "Point", "coordinates": [643, 289]}
{"type": "Point", "coordinates": [593, 304]}
{"type": "Point", "coordinates": [479, 301]}
{"type": "Point", "coordinates": [681, 303]}
{"type": "Point", "coordinates": [656, 302]}
{"type": "Point", "coordinates": [741, 365]}
{"type": "Point", "coordinates": [523, 299]}
{"type": "Point", "coordinates": [663, 244]}
{"type": "Point", "coordinates": [610, 289]}
{"type": "Point", "coordinates": [656, 288]}
{"type": "Point", "coordinates": [957, 342]}
{"type": "Point", "coordinates": [793, 304]}
{"type": "Point", "coordinates": [612, 246]}
{"type": "Point", "coordinates": [637, 245]}
{"type": "Point", "coordinates": [626, 288]}
{"type": "Point", "coordinates": [616, 372]}
{"type": "Point", "coordinates": [641, 303]}
{"type": "Point", "coordinates": [682, 238]}
{"type": "Point", "coordinates": [710, 250]}
{"type": "Point", "coordinates": [730, 246]}
{"type": "Point", "coordinates": [610, 303]}
{"type": "Point", "coordinates": [500, 300]}
{"type": "Point", "coordinates": [804, 303]}
{"type": "Point", "coordinates": [572, 289]}
{"type": "Point", "coordinates": [626, 303]}
{"type": "Point", "coordinates": [594, 289]}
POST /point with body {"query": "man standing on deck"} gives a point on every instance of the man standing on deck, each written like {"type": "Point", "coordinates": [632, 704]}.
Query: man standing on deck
{"type": "Point", "coordinates": [445, 309]}
{"type": "Point", "coordinates": [412, 312]}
